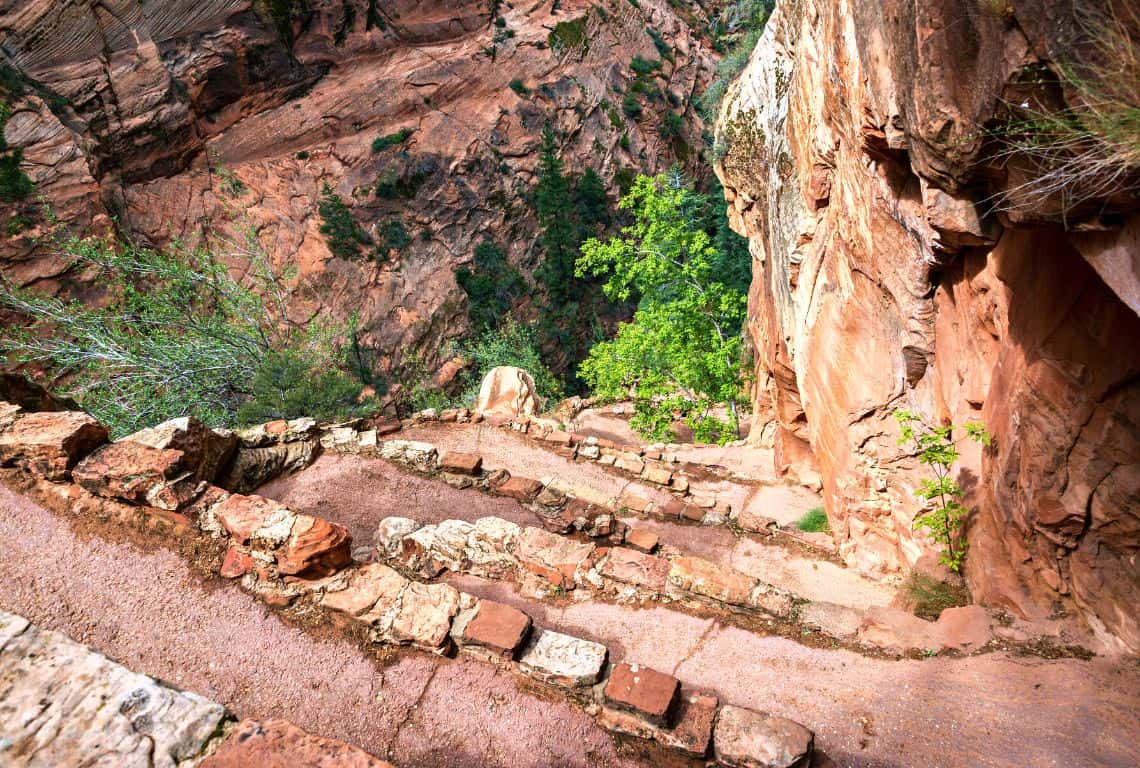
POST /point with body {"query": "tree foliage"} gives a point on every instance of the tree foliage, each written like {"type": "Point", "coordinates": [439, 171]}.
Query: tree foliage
{"type": "Point", "coordinates": [681, 353]}
{"type": "Point", "coordinates": [935, 447]}
{"type": "Point", "coordinates": [511, 343]}
{"type": "Point", "coordinates": [176, 335]}
{"type": "Point", "coordinates": [492, 286]}
{"type": "Point", "coordinates": [343, 235]}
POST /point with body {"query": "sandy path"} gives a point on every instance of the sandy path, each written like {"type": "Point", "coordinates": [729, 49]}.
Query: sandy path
{"type": "Point", "coordinates": [988, 710]}
{"type": "Point", "coordinates": [145, 609]}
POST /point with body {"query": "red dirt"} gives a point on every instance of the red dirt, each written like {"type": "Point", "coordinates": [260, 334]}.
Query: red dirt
{"type": "Point", "coordinates": [147, 610]}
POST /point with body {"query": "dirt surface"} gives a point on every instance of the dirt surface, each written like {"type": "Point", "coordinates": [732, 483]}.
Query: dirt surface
{"type": "Point", "coordinates": [359, 492]}
{"type": "Point", "coordinates": [992, 709]}
{"type": "Point", "coordinates": [147, 610]}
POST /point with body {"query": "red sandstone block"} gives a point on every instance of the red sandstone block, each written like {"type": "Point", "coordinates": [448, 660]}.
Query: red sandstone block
{"type": "Point", "coordinates": [49, 444]}
{"type": "Point", "coordinates": [314, 544]}
{"type": "Point", "coordinates": [236, 563]}
{"type": "Point", "coordinates": [461, 463]}
{"type": "Point", "coordinates": [558, 437]}
{"type": "Point", "coordinates": [497, 627]}
{"type": "Point", "coordinates": [694, 723]}
{"type": "Point", "coordinates": [646, 691]}
{"type": "Point", "coordinates": [692, 513]}
{"type": "Point", "coordinates": [641, 539]}
{"type": "Point", "coordinates": [635, 503]}
{"type": "Point", "coordinates": [522, 488]}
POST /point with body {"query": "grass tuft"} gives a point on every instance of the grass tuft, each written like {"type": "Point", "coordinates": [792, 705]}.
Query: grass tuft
{"type": "Point", "coordinates": [814, 521]}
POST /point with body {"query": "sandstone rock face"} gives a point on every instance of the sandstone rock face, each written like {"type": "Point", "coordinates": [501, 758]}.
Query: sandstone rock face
{"type": "Point", "coordinates": [64, 704]}
{"type": "Point", "coordinates": [159, 109]}
{"type": "Point", "coordinates": [853, 158]}
{"type": "Point", "coordinates": [508, 391]}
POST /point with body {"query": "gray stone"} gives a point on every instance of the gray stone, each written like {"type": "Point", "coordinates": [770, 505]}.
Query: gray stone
{"type": "Point", "coordinates": [64, 704]}
{"type": "Point", "coordinates": [391, 532]}
{"type": "Point", "coordinates": [421, 456]}
{"type": "Point", "coordinates": [745, 738]}
{"type": "Point", "coordinates": [563, 660]}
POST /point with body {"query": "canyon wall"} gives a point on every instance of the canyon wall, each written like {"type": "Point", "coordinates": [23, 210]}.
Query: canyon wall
{"type": "Point", "coordinates": [166, 119]}
{"type": "Point", "coordinates": [855, 155]}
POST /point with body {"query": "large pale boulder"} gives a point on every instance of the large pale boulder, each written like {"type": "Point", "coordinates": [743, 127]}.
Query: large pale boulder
{"type": "Point", "coordinates": [508, 391]}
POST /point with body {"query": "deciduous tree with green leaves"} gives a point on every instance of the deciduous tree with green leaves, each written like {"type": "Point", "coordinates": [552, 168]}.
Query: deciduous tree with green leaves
{"type": "Point", "coordinates": [681, 353]}
{"type": "Point", "coordinates": [936, 448]}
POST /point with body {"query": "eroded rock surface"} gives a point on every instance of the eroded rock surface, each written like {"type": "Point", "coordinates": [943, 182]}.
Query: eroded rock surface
{"type": "Point", "coordinates": [853, 158]}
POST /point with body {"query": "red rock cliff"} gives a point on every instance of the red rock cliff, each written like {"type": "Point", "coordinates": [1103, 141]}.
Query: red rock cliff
{"type": "Point", "coordinates": [141, 112]}
{"type": "Point", "coordinates": [854, 157]}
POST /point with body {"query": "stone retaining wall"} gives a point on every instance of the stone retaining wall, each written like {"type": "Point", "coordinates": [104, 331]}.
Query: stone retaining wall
{"type": "Point", "coordinates": [284, 557]}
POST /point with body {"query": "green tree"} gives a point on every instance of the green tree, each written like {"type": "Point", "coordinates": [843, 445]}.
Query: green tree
{"type": "Point", "coordinates": [592, 203]}
{"type": "Point", "coordinates": [492, 286]}
{"type": "Point", "coordinates": [343, 235]}
{"type": "Point", "coordinates": [559, 237]}
{"type": "Point", "coordinates": [286, 386]}
{"type": "Point", "coordinates": [174, 335]}
{"type": "Point", "coordinates": [681, 353]}
{"type": "Point", "coordinates": [936, 448]}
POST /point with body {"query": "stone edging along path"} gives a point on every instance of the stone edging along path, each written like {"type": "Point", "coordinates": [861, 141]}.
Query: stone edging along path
{"type": "Point", "coordinates": [163, 481]}
{"type": "Point", "coordinates": [99, 712]}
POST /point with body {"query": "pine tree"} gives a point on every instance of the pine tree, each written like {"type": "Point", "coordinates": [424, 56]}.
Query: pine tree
{"type": "Point", "coordinates": [559, 237]}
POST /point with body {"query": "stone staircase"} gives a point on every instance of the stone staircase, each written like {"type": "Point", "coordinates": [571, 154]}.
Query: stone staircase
{"type": "Point", "coordinates": [163, 484]}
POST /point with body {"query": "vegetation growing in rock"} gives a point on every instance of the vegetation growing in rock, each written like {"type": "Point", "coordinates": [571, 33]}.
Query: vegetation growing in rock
{"type": "Point", "coordinates": [1090, 148]}
{"type": "Point", "coordinates": [936, 449]}
{"type": "Point", "coordinates": [519, 87]}
{"type": "Point", "coordinates": [735, 35]}
{"type": "Point", "coordinates": [176, 336]}
{"type": "Point", "coordinates": [569, 36]}
{"type": "Point", "coordinates": [680, 356]}
{"type": "Point", "coordinates": [380, 143]}
{"type": "Point", "coordinates": [814, 521]}
{"type": "Point", "coordinates": [14, 183]}
{"type": "Point", "coordinates": [492, 286]}
{"type": "Point", "coordinates": [930, 597]}
{"type": "Point", "coordinates": [343, 235]}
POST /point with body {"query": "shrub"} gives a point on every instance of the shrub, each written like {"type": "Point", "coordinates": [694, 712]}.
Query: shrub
{"type": "Point", "coordinates": [175, 335]}
{"type": "Point", "coordinates": [814, 521]}
{"type": "Point", "coordinates": [14, 183]}
{"type": "Point", "coordinates": [672, 127]}
{"type": "Point", "coordinates": [568, 36]}
{"type": "Point", "coordinates": [395, 236]}
{"type": "Point", "coordinates": [510, 343]}
{"type": "Point", "coordinates": [341, 232]}
{"type": "Point", "coordinates": [286, 386]}
{"type": "Point", "coordinates": [663, 48]}
{"type": "Point", "coordinates": [380, 143]}
{"type": "Point", "coordinates": [623, 142]}
{"type": "Point", "coordinates": [1089, 149]}
{"type": "Point", "coordinates": [519, 87]}
{"type": "Point", "coordinates": [492, 285]}
{"type": "Point", "coordinates": [641, 67]}
{"type": "Point", "coordinates": [738, 30]}
{"type": "Point", "coordinates": [631, 106]}
{"type": "Point", "coordinates": [303, 155]}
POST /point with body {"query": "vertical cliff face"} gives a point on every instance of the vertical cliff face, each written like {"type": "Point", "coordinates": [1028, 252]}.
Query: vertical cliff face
{"type": "Point", "coordinates": [855, 154]}
{"type": "Point", "coordinates": [164, 119]}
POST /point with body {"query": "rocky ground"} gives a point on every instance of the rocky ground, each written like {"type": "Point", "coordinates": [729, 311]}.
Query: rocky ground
{"type": "Point", "coordinates": [164, 618]}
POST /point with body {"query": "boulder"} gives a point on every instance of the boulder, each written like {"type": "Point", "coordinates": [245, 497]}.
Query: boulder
{"type": "Point", "coordinates": [205, 451]}
{"type": "Point", "coordinates": [49, 444]}
{"type": "Point", "coordinates": [693, 726]}
{"type": "Point", "coordinates": [391, 532]}
{"type": "Point", "coordinates": [138, 474]}
{"type": "Point", "coordinates": [365, 587]}
{"type": "Point", "coordinates": [508, 391]}
{"type": "Point", "coordinates": [497, 627]}
{"type": "Point", "coordinates": [314, 544]}
{"type": "Point", "coordinates": [745, 738]}
{"type": "Point", "coordinates": [419, 455]}
{"type": "Point", "coordinates": [708, 579]}
{"type": "Point", "coordinates": [424, 614]}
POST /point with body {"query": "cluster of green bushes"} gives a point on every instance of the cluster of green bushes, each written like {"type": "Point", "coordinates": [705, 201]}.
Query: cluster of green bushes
{"type": "Point", "coordinates": [15, 185]}
{"type": "Point", "coordinates": [343, 235]}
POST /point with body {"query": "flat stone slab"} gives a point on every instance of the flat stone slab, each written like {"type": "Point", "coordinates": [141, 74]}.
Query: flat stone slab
{"type": "Point", "coordinates": [522, 489]}
{"type": "Point", "coordinates": [280, 744]}
{"type": "Point", "coordinates": [461, 463]}
{"type": "Point", "coordinates": [49, 444]}
{"type": "Point", "coordinates": [745, 738]}
{"type": "Point", "coordinates": [424, 614]}
{"type": "Point", "coordinates": [367, 585]}
{"type": "Point", "coordinates": [641, 540]}
{"type": "Point", "coordinates": [647, 692]}
{"type": "Point", "coordinates": [497, 627]}
{"type": "Point", "coordinates": [553, 557]}
{"type": "Point", "coordinates": [63, 704]}
{"type": "Point", "coordinates": [563, 660]}
{"type": "Point", "coordinates": [632, 567]}
{"type": "Point", "coordinates": [708, 579]}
